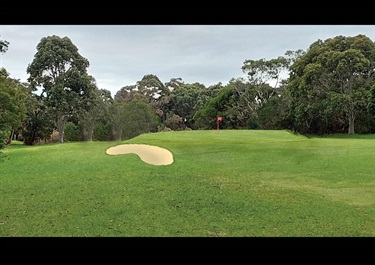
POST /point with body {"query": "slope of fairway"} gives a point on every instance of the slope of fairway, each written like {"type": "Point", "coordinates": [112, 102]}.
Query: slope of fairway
{"type": "Point", "coordinates": [221, 183]}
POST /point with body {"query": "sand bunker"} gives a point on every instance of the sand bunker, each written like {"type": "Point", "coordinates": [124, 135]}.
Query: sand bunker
{"type": "Point", "coordinates": [148, 153]}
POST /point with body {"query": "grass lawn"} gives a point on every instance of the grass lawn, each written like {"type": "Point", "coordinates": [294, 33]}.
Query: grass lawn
{"type": "Point", "coordinates": [227, 183]}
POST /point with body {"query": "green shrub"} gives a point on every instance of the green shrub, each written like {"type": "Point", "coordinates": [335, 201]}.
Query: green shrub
{"type": "Point", "coordinates": [102, 132]}
{"type": "Point", "coordinates": [72, 132]}
{"type": "Point", "coordinates": [4, 133]}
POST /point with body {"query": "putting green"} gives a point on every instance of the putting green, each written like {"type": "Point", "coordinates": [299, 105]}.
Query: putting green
{"type": "Point", "coordinates": [148, 153]}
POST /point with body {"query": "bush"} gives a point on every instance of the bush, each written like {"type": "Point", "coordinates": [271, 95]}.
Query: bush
{"type": "Point", "coordinates": [102, 132]}
{"type": "Point", "coordinates": [4, 134]}
{"type": "Point", "coordinates": [174, 122]}
{"type": "Point", "coordinates": [72, 132]}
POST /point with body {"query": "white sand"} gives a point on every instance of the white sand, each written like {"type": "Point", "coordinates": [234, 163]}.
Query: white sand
{"type": "Point", "coordinates": [148, 153]}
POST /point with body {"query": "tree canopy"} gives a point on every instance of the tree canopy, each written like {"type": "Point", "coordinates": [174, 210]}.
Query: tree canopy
{"type": "Point", "coordinates": [333, 75]}
{"type": "Point", "coordinates": [12, 106]}
{"type": "Point", "coordinates": [329, 88]}
{"type": "Point", "coordinates": [61, 73]}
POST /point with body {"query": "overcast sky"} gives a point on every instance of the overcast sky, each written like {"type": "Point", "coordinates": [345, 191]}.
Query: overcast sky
{"type": "Point", "coordinates": [120, 55]}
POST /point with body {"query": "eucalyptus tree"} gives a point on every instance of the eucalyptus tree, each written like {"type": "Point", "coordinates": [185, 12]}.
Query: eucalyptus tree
{"type": "Point", "coordinates": [224, 105]}
{"type": "Point", "coordinates": [97, 105]}
{"type": "Point", "coordinates": [38, 123]}
{"type": "Point", "coordinates": [166, 106]}
{"type": "Point", "coordinates": [139, 118]}
{"type": "Point", "coordinates": [371, 109]}
{"type": "Point", "coordinates": [116, 120]}
{"type": "Point", "coordinates": [60, 71]}
{"type": "Point", "coordinates": [263, 86]}
{"type": "Point", "coordinates": [275, 114]}
{"type": "Point", "coordinates": [264, 76]}
{"type": "Point", "coordinates": [149, 90]}
{"type": "Point", "coordinates": [187, 99]}
{"type": "Point", "coordinates": [12, 106]}
{"type": "Point", "coordinates": [158, 94]}
{"type": "Point", "coordinates": [333, 75]}
{"type": "Point", "coordinates": [128, 93]}
{"type": "Point", "coordinates": [129, 119]}
{"type": "Point", "coordinates": [174, 83]}
{"type": "Point", "coordinates": [151, 86]}
{"type": "Point", "coordinates": [103, 124]}
{"type": "Point", "coordinates": [180, 106]}
{"type": "Point", "coordinates": [249, 103]}
{"type": "Point", "coordinates": [371, 102]}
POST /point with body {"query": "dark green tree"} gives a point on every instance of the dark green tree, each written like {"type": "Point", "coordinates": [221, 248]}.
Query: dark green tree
{"type": "Point", "coordinates": [333, 76]}
{"type": "Point", "coordinates": [222, 105]}
{"type": "Point", "coordinates": [139, 118]}
{"type": "Point", "coordinates": [130, 119]}
{"type": "Point", "coordinates": [264, 77]}
{"type": "Point", "coordinates": [103, 121]}
{"type": "Point", "coordinates": [128, 93]}
{"type": "Point", "coordinates": [12, 106]}
{"type": "Point", "coordinates": [186, 100]}
{"type": "Point", "coordinates": [371, 102]}
{"type": "Point", "coordinates": [149, 90]}
{"type": "Point", "coordinates": [96, 107]}
{"type": "Point", "coordinates": [61, 73]}
{"type": "Point", "coordinates": [38, 123]}
{"type": "Point", "coordinates": [152, 87]}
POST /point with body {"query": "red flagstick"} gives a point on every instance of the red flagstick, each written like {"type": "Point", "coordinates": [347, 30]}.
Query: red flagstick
{"type": "Point", "coordinates": [217, 122]}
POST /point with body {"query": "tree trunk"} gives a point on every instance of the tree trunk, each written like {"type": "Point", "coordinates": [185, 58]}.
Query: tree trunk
{"type": "Point", "coordinates": [60, 127]}
{"type": "Point", "coordinates": [9, 141]}
{"type": "Point", "coordinates": [88, 131]}
{"type": "Point", "coordinates": [119, 136]}
{"type": "Point", "coordinates": [351, 124]}
{"type": "Point", "coordinates": [88, 135]}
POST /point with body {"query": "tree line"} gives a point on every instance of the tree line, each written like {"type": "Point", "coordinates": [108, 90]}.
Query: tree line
{"type": "Point", "coordinates": [327, 89]}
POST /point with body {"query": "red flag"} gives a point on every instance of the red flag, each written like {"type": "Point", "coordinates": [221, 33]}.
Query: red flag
{"type": "Point", "coordinates": [217, 123]}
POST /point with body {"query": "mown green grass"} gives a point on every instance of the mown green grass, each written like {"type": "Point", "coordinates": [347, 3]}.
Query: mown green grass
{"type": "Point", "coordinates": [228, 183]}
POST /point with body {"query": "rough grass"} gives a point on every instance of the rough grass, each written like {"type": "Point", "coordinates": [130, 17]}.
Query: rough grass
{"type": "Point", "coordinates": [222, 183]}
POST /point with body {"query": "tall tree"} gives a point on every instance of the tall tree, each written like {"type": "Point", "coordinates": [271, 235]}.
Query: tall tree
{"type": "Point", "coordinates": [173, 83]}
{"type": "Point", "coordinates": [94, 105]}
{"type": "Point", "coordinates": [61, 72]}
{"type": "Point", "coordinates": [340, 71]}
{"type": "Point", "coordinates": [264, 76]}
{"type": "Point", "coordinates": [128, 93]}
{"type": "Point", "coordinates": [151, 91]}
{"type": "Point", "coordinates": [117, 119]}
{"type": "Point", "coordinates": [38, 123]}
{"type": "Point", "coordinates": [139, 118]}
{"type": "Point", "coordinates": [224, 104]}
{"type": "Point", "coordinates": [371, 102]}
{"type": "Point", "coordinates": [247, 93]}
{"type": "Point", "coordinates": [103, 121]}
{"type": "Point", "coordinates": [12, 106]}
{"type": "Point", "coordinates": [187, 99]}
{"type": "Point", "coordinates": [152, 87]}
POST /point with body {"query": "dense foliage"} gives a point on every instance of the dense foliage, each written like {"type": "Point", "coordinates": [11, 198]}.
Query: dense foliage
{"type": "Point", "coordinates": [327, 89]}
{"type": "Point", "coordinates": [12, 106]}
